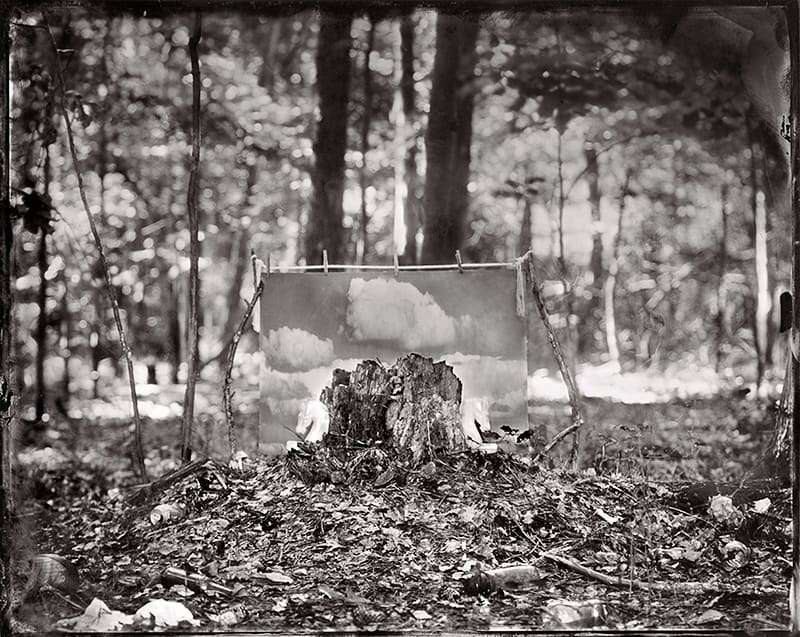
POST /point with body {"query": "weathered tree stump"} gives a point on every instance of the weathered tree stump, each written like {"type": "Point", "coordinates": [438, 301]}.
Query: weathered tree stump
{"type": "Point", "coordinates": [415, 404]}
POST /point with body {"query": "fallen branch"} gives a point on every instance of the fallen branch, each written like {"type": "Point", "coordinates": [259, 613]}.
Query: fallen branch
{"type": "Point", "coordinates": [143, 491]}
{"type": "Point", "coordinates": [572, 388]}
{"type": "Point", "coordinates": [685, 588]}
{"type": "Point", "coordinates": [138, 446]}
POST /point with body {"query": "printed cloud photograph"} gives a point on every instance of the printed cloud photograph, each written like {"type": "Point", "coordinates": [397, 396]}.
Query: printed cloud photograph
{"type": "Point", "coordinates": [467, 319]}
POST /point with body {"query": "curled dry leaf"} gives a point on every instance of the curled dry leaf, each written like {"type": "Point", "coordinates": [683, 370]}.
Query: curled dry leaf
{"type": "Point", "coordinates": [735, 555]}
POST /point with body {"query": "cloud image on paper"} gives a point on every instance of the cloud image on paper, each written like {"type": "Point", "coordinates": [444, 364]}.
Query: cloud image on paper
{"type": "Point", "coordinates": [314, 323]}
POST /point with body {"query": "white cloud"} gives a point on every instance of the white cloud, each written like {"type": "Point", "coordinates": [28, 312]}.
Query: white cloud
{"type": "Point", "coordinates": [398, 313]}
{"type": "Point", "coordinates": [293, 349]}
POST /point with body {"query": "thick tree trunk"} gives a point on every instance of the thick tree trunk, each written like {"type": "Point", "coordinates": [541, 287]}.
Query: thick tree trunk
{"type": "Point", "coordinates": [416, 404]}
{"type": "Point", "coordinates": [448, 138]}
{"type": "Point", "coordinates": [325, 229]}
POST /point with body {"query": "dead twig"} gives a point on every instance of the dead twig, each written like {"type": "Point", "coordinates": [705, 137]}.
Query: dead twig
{"type": "Point", "coordinates": [569, 381]}
{"type": "Point", "coordinates": [227, 396]}
{"type": "Point", "coordinates": [685, 588]}
{"type": "Point", "coordinates": [138, 446]}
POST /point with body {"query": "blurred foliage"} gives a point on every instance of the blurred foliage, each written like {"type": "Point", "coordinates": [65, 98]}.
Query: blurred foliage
{"type": "Point", "coordinates": [670, 127]}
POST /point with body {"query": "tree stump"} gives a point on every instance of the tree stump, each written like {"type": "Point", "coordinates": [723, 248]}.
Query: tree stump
{"type": "Point", "coordinates": [415, 404]}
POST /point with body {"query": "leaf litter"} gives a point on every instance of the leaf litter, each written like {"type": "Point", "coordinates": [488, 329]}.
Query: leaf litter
{"type": "Point", "coordinates": [301, 552]}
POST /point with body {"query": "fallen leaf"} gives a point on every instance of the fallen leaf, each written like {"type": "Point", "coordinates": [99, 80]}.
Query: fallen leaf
{"type": "Point", "coordinates": [277, 578]}
{"type": "Point", "coordinates": [420, 614]}
{"type": "Point", "coordinates": [711, 616]}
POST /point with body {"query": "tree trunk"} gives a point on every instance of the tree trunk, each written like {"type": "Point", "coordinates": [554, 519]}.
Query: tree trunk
{"type": "Point", "coordinates": [192, 325]}
{"type": "Point", "coordinates": [610, 285]}
{"type": "Point", "coordinates": [6, 371]}
{"type": "Point", "coordinates": [41, 326]}
{"type": "Point", "coordinates": [362, 244]}
{"type": "Point", "coordinates": [269, 47]}
{"type": "Point", "coordinates": [412, 207]}
{"type": "Point", "coordinates": [174, 328]}
{"type": "Point", "coordinates": [325, 229]}
{"type": "Point", "coordinates": [762, 301]}
{"type": "Point", "coordinates": [66, 350]}
{"type": "Point", "coordinates": [591, 312]}
{"type": "Point", "coordinates": [448, 138]}
{"type": "Point", "coordinates": [416, 404]}
{"type": "Point", "coordinates": [526, 229]}
{"type": "Point", "coordinates": [722, 261]}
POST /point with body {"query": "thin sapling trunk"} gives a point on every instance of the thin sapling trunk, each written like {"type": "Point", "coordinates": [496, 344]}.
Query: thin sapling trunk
{"type": "Point", "coordinates": [193, 327]}
{"type": "Point", "coordinates": [227, 395]}
{"type": "Point", "coordinates": [138, 447]}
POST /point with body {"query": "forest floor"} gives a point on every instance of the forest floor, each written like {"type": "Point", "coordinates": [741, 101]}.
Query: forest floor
{"type": "Point", "coordinates": [324, 541]}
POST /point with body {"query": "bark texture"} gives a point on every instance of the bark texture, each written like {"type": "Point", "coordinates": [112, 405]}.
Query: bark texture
{"type": "Point", "coordinates": [325, 228]}
{"type": "Point", "coordinates": [448, 138]}
{"type": "Point", "coordinates": [415, 404]}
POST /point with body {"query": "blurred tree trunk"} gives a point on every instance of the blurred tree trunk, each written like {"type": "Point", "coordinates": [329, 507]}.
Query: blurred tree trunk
{"type": "Point", "coordinates": [325, 229]}
{"type": "Point", "coordinates": [174, 327]}
{"type": "Point", "coordinates": [366, 121]}
{"type": "Point", "coordinates": [269, 49]}
{"type": "Point", "coordinates": [239, 257]}
{"type": "Point", "coordinates": [591, 312]}
{"type": "Point", "coordinates": [526, 230]}
{"type": "Point", "coordinates": [759, 236]}
{"type": "Point", "coordinates": [722, 261]}
{"type": "Point", "coordinates": [41, 325]}
{"type": "Point", "coordinates": [412, 206]}
{"type": "Point", "coordinates": [66, 340]}
{"type": "Point", "coordinates": [610, 284]}
{"type": "Point", "coordinates": [448, 138]}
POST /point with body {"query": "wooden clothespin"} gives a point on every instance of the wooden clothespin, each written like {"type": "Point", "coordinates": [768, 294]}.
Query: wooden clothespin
{"type": "Point", "coordinates": [396, 262]}
{"type": "Point", "coordinates": [459, 262]}
{"type": "Point", "coordinates": [325, 261]}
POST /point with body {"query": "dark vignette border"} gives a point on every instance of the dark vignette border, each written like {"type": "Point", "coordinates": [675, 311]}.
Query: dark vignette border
{"type": "Point", "coordinates": [390, 7]}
